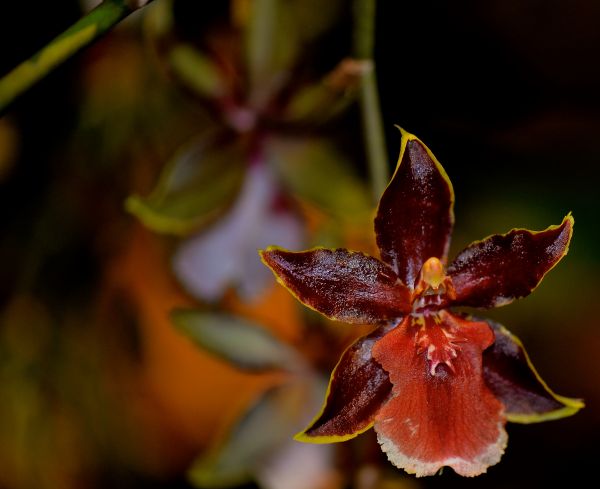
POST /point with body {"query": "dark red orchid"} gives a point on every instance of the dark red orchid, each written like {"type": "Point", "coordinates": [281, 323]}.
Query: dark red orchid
{"type": "Point", "coordinates": [437, 386]}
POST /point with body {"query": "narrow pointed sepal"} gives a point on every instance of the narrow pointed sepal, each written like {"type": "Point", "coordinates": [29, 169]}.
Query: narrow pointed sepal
{"type": "Point", "coordinates": [356, 391]}
{"type": "Point", "coordinates": [499, 269]}
{"type": "Point", "coordinates": [441, 412]}
{"type": "Point", "coordinates": [340, 284]}
{"type": "Point", "coordinates": [509, 373]}
{"type": "Point", "coordinates": [415, 215]}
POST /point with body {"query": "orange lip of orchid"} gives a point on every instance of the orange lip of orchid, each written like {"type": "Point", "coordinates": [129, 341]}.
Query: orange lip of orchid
{"type": "Point", "coordinates": [437, 386]}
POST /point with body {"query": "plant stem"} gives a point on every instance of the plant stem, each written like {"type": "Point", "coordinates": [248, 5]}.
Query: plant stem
{"type": "Point", "coordinates": [86, 30]}
{"type": "Point", "coordinates": [364, 40]}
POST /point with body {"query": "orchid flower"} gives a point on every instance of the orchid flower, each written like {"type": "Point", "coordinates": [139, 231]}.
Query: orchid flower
{"type": "Point", "coordinates": [437, 385]}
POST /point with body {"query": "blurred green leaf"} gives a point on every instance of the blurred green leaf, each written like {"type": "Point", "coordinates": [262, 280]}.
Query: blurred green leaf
{"type": "Point", "coordinates": [200, 181]}
{"type": "Point", "coordinates": [87, 29]}
{"type": "Point", "coordinates": [236, 340]}
{"type": "Point", "coordinates": [317, 172]}
{"type": "Point", "coordinates": [270, 48]}
{"type": "Point", "coordinates": [276, 33]}
{"type": "Point", "coordinates": [309, 25]}
{"type": "Point", "coordinates": [271, 421]}
{"type": "Point", "coordinates": [323, 100]}
{"type": "Point", "coordinates": [317, 103]}
{"type": "Point", "coordinates": [159, 19]}
{"type": "Point", "coordinates": [196, 71]}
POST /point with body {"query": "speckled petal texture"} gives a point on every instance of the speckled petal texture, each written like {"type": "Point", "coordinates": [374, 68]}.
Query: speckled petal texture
{"type": "Point", "coordinates": [415, 217]}
{"type": "Point", "coordinates": [504, 267]}
{"type": "Point", "coordinates": [357, 389]}
{"type": "Point", "coordinates": [343, 285]}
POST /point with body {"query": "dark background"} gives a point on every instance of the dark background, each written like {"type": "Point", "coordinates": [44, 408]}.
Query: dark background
{"type": "Point", "coordinates": [506, 93]}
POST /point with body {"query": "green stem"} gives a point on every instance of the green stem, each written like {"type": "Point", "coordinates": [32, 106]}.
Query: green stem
{"type": "Point", "coordinates": [364, 40]}
{"type": "Point", "coordinates": [86, 30]}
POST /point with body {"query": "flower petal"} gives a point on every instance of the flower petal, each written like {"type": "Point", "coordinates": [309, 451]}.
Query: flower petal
{"type": "Point", "coordinates": [277, 226]}
{"type": "Point", "coordinates": [415, 217]}
{"type": "Point", "coordinates": [340, 284]}
{"type": "Point", "coordinates": [357, 388]}
{"type": "Point", "coordinates": [449, 418]}
{"type": "Point", "coordinates": [225, 254]}
{"type": "Point", "coordinates": [511, 376]}
{"type": "Point", "coordinates": [299, 466]}
{"type": "Point", "coordinates": [210, 261]}
{"type": "Point", "coordinates": [504, 267]}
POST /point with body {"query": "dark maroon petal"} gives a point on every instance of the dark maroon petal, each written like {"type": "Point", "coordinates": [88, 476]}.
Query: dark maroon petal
{"type": "Point", "coordinates": [504, 267]}
{"type": "Point", "coordinates": [343, 285]}
{"type": "Point", "coordinates": [414, 219]}
{"type": "Point", "coordinates": [510, 375]}
{"type": "Point", "coordinates": [357, 389]}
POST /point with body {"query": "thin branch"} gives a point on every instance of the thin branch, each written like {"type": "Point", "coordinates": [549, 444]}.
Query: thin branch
{"type": "Point", "coordinates": [85, 31]}
{"type": "Point", "coordinates": [364, 40]}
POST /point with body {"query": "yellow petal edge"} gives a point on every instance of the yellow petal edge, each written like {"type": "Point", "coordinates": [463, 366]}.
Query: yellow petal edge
{"type": "Point", "coordinates": [571, 405]}
{"type": "Point", "coordinates": [303, 437]}
{"type": "Point", "coordinates": [406, 137]}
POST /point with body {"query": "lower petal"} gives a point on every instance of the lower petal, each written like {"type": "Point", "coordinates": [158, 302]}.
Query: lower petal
{"type": "Point", "coordinates": [513, 379]}
{"type": "Point", "coordinates": [442, 415]}
{"type": "Point", "coordinates": [357, 388]}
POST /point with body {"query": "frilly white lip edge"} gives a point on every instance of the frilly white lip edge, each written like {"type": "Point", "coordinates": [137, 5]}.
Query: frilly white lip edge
{"type": "Point", "coordinates": [467, 468]}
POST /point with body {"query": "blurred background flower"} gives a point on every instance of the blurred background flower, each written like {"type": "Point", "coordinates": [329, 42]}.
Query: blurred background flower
{"type": "Point", "coordinates": [224, 130]}
{"type": "Point", "coordinates": [235, 187]}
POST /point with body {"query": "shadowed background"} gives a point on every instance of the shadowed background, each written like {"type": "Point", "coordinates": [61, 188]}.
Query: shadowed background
{"type": "Point", "coordinates": [97, 388]}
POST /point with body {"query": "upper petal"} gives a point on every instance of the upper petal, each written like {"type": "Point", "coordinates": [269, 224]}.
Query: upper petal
{"type": "Point", "coordinates": [340, 284]}
{"type": "Point", "coordinates": [504, 267]}
{"type": "Point", "coordinates": [445, 418]}
{"type": "Point", "coordinates": [415, 215]}
{"type": "Point", "coordinates": [511, 376]}
{"type": "Point", "coordinates": [356, 391]}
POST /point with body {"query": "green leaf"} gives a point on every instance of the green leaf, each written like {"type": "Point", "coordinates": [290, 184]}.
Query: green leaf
{"type": "Point", "coordinates": [83, 32]}
{"type": "Point", "coordinates": [309, 25]}
{"type": "Point", "coordinates": [195, 186]}
{"type": "Point", "coordinates": [324, 100]}
{"type": "Point", "coordinates": [270, 49]}
{"type": "Point", "coordinates": [196, 71]}
{"type": "Point", "coordinates": [317, 172]}
{"type": "Point", "coordinates": [276, 33]}
{"type": "Point", "coordinates": [270, 422]}
{"type": "Point", "coordinates": [236, 340]}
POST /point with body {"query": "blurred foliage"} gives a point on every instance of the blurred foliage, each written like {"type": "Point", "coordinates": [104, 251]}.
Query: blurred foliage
{"type": "Point", "coordinates": [245, 72]}
{"type": "Point", "coordinates": [192, 188]}
{"type": "Point", "coordinates": [236, 340]}
{"type": "Point", "coordinates": [256, 447]}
